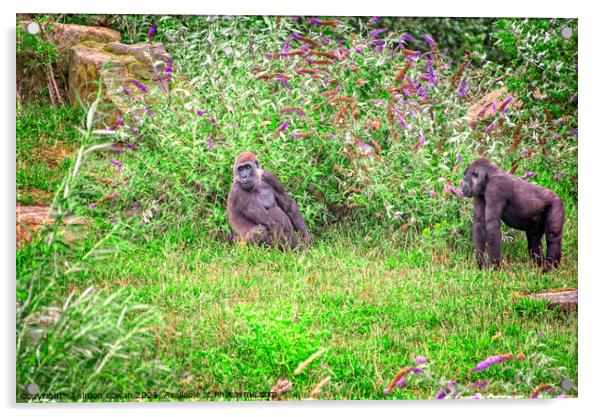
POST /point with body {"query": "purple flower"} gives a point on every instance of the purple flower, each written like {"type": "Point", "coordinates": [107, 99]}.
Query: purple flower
{"type": "Point", "coordinates": [423, 93]}
{"type": "Point", "coordinates": [506, 102]}
{"type": "Point", "coordinates": [406, 92]}
{"type": "Point", "coordinates": [574, 133]}
{"type": "Point", "coordinates": [129, 145]}
{"type": "Point", "coordinates": [375, 19]}
{"type": "Point", "coordinates": [325, 39]}
{"type": "Point", "coordinates": [524, 153]}
{"type": "Point", "coordinates": [200, 112]}
{"type": "Point", "coordinates": [397, 216]}
{"type": "Point", "coordinates": [359, 50]}
{"type": "Point", "coordinates": [330, 136]}
{"type": "Point", "coordinates": [316, 21]}
{"type": "Point", "coordinates": [139, 85]}
{"type": "Point", "coordinates": [284, 126]}
{"type": "Point", "coordinates": [210, 143]}
{"type": "Point", "coordinates": [430, 75]}
{"type": "Point", "coordinates": [492, 360]}
{"type": "Point", "coordinates": [374, 33]}
{"type": "Point", "coordinates": [151, 32]}
{"type": "Point", "coordinates": [93, 205]}
{"type": "Point", "coordinates": [411, 193]}
{"type": "Point", "coordinates": [364, 146]}
{"type": "Point", "coordinates": [408, 37]}
{"type": "Point", "coordinates": [379, 42]}
{"type": "Point", "coordinates": [213, 121]}
{"type": "Point", "coordinates": [269, 55]}
{"type": "Point", "coordinates": [479, 384]}
{"type": "Point", "coordinates": [284, 81]}
{"type": "Point", "coordinates": [559, 175]}
{"type": "Point", "coordinates": [400, 118]}
{"type": "Point", "coordinates": [287, 43]}
{"type": "Point", "coordinates": [430, 40]}
{"type": "Point", "coordinates": [459, 158]}
{"type": "Point", "coordinates": [464, 88]}
{"type": "Point", "coordinates": [229, 237]}
{"type": "Point", "coordinates": [490, 127]}
{"type": "Point", "coordinates": [416, 371]}
{"type": "Point", "coordinates": [483, 110]}
{"type": "Point", "coordinates": [402, 381]}
{"type": "Point", "coordinates": [421, 360]}
{"type": "Point", "coordinates": [116, 163]}
{"type": "Point", "coordinates": [433, 193]}
{"type": "Point", "coordinates": [528, 175]}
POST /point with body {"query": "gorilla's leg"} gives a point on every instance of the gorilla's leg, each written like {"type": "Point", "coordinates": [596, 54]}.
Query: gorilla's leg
{"type": "Point", "coordinates": [553, 231]}
{"type": "Point", "coordinates": [258, 235]}
{"type": "Point", "coordinates": [534, 243]}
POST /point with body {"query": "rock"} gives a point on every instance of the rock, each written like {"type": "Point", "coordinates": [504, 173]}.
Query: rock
{"type": "Point", "coordinates": [565, 298]}
{"type": "Point", "coordinates": [30, 219]}
{"type": "Point", "coordinates": [64, 37]}
{"type": "Point", "coordinates": [135, 67]}
{"type": "Point", "coordinates": [497, 96]}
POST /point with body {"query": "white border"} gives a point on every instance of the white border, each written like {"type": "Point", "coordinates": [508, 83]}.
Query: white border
{"type": "Point", "coordinates": [590, 274]}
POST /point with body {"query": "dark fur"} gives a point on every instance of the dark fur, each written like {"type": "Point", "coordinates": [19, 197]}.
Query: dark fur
{"type": "Point", "coordinates": [500, 196]}
{"type": "Point", "coordinates": [260, 210]}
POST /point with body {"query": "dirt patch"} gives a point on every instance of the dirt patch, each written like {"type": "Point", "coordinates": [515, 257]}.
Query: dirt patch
{"type": "Point", "coordinates": [37, 196]}
{"type": "Point", "coordinates": [31, 219]}
{"type": "Point", "coordinates": [53, 156]}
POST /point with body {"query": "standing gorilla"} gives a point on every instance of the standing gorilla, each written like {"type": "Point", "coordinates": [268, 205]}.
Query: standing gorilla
{"type": "Point", "coordinates": [260, 210]}
{"type": "Point", "coordinates": [521, 205]}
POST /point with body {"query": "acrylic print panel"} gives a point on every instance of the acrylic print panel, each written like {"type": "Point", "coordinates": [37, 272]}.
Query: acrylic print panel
{"type": "Point", "coordinates": [342, 266]}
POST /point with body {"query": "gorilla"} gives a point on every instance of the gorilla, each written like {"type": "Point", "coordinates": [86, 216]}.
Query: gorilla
{"type": "Point", "coordinates": [259, 209]}
{"type": "Point", "coordinates": [499, 195]}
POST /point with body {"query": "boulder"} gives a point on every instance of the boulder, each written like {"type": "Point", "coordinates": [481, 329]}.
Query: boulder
{"type": "Point", "coordinates": [30, 219]}
{"type": "Point", "coordinates": [64, 37]}
{"type": "Point", "coordinates": [497, 96]}
{"type": "Point", "coordinates": [126, 69]}
{"type": "Point", "coordinates": [566, 299]}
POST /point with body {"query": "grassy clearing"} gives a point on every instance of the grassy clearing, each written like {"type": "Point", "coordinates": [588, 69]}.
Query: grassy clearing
{"type": "Point", "coordinates": [238, 318]}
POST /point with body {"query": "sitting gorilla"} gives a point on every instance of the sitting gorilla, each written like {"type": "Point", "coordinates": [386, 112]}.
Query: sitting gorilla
{"type": "Point", "coordinates": [259, 209]}
{"type": "Point", "coordinates": [499, 195]}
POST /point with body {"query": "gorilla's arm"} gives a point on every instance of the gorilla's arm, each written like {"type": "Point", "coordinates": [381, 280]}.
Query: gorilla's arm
{"type": "Point", "coordinates": [246, 205]}
{"type": "Point", "coordinates": [479, 235]}
{"type": "Point", "coordinates": [286, 203]}
{"type": "Point", "coordinates": [496, 197]}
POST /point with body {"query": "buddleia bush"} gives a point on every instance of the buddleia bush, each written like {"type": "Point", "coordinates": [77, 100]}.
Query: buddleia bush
{"type": "Point", "coordinates": [364, 125]}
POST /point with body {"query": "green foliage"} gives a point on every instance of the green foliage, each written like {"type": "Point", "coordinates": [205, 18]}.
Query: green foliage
{"type": "Point", "coordinates": [355, 151]}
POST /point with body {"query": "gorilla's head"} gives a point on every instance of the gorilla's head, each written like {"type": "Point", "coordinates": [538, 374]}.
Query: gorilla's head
{"type": "Point", "coordinates": [476, 177]}
{"type": "Point", "coordinates": [246, 170]}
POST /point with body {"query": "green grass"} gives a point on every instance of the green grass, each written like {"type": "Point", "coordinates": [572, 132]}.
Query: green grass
{"type": "Point", "coordinates": [42, 132]}
{"type": "Point", "coordinates": [238, 318]}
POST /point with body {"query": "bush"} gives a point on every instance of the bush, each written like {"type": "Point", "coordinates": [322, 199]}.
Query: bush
{"type": "Point", "coordinates": [356, 131]}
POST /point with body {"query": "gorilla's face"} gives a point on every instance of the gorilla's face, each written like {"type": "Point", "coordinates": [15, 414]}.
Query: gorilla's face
{"type": "Point", "coordinates": [246, 173]}
{"type": "Point", "coordinates": [475, 178]}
